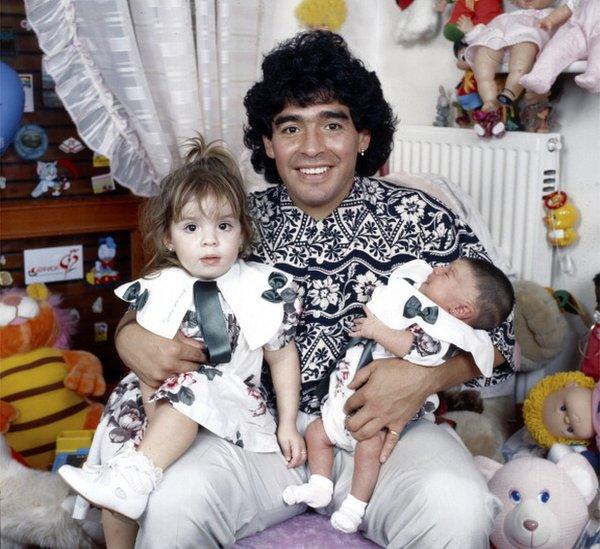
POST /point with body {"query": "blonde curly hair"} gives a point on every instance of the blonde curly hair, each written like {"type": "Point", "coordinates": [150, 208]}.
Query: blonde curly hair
{"type": "Point", "coordinates": [533, 407]}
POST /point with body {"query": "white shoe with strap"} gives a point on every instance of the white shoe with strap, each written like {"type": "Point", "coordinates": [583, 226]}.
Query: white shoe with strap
{"type": "Point", "coordinates": [122, 484]}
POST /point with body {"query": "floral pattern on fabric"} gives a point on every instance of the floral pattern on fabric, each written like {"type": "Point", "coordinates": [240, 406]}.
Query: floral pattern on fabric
{"type": "Point", "coordinates": [339, 260]}
{"type": "Point", "coordinates": [124, 413]}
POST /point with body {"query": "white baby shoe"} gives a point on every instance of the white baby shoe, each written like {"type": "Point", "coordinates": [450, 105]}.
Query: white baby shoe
{"type": "Point", "coordinates": [122, 484]}
{"type": "Point", "coordinates": [350, 514]}
{"type": "Point", "coordinates": [317, 492]}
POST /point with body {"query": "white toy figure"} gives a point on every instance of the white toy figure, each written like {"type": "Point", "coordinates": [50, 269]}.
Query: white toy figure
{"type": "Point", "coordinates": [35, 510]}
{"type": "Point", "coordinates": [545, 503]}
{"type": "Point", "coordinates": [418, 21]}
{"type": "Point", "coordinates": [578, 38]}
{"type": "Point", "coordinates": [48, 174]}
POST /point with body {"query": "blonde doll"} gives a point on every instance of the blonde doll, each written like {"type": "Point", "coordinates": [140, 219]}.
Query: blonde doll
{"type": "Point", "coordinates": [563, 408]}
{"type": "Point", "coordinates": [197, 228]}
{"type": "Point", "coordinates": [516, 38]}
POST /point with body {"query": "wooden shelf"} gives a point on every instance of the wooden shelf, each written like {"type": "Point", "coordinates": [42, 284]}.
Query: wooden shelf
{"type": "Point", "coordinates": [65, 216]}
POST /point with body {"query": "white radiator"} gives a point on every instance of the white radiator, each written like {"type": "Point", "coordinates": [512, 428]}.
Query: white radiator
{"type": "Point", "coordinates": [506, 178]}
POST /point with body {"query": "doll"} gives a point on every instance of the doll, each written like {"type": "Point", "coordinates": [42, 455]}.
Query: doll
{"type": "Point", "coordinates": [515, 37]}
{"type": "Point", "coordinates": [467, 97]}
{"type": "Point", "coordinates": [577, 39]}
{"type": "Point", "coordinates": [563, 408]}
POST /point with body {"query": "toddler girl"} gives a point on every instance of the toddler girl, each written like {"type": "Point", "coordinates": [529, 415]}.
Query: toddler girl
{"type": "Point", "coordinates": [197, 228]}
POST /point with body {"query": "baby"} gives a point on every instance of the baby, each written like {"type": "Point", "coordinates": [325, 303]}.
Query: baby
{"type": "Point", "coordinates": [422, 315]}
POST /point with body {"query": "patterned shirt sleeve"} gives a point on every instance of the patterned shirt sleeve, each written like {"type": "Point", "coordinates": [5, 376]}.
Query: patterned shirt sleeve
{"type": "Point", "coordinates": [444, 237]}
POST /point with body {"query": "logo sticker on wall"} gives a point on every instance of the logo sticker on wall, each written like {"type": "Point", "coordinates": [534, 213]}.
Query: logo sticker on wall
{"type": "Point", "coordinates": [53, 264]}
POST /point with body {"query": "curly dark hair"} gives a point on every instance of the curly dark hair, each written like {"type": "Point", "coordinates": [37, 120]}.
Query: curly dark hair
{"type": "Point", "coordinates": [312, 68]}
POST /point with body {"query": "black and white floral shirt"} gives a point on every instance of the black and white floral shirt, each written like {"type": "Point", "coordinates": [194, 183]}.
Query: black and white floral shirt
{"type": "Point", "coordinates": [338, 261]}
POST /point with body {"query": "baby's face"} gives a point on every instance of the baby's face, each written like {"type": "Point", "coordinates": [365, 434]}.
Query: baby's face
{"type": "Point", "coordinates": [450, 284]}
{"type": "Point", "coordinates": [568, 412]}
{"type": "Point", "coordinates": [534, 4]}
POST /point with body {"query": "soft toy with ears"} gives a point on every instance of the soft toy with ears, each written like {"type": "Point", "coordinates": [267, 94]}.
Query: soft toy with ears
{"type": "Point", "coordinates": [544, 504]}
{"type": "Point", "coordinates": [418, 21]}
{"type": "Point", "coordinates": [578, 38]}
{"type": "Point", "coordinates": [44, 388]}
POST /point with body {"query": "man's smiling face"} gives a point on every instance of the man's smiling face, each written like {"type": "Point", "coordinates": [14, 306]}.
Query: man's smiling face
{"type": "Point", "coordinates": [315, 150]}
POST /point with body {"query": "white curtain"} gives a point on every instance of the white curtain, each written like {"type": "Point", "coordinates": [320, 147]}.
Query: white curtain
{"type": "Point", "coordinates": [138, 77]}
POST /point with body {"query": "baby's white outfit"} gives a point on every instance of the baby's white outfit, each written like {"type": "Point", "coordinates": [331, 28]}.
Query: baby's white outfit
{"type": "Point", "coordinates": [400, 305]}
{"type": "Point", "coordinates": [391, 304]}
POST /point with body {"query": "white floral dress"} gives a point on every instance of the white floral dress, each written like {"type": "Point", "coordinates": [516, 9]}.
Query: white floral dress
{"type": "Point", "coordinates": [227, 399]}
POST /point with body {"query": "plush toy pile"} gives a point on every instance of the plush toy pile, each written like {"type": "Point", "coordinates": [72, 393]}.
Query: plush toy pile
{"type": "Point", "coordinates": [44, 388]}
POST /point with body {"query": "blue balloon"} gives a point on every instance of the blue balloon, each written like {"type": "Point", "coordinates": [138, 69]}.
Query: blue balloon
{"type": "Point", "coordinates": [12, 100]}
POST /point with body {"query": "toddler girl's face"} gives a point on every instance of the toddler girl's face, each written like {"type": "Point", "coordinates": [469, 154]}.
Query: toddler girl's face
{"type": "Point", "coordinates": [568, 412]}
{"type": "Point", "coordinates": [534, 4]}
{"type": "Point", "coordinates": [207, 239]}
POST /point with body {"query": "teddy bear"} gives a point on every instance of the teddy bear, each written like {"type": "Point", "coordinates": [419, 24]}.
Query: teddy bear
{"type": "Point", "coordinates": [578, 38]}
{"type": "Point", "coordinates": [36, 509]}
{"type": "Point", "coordinates": [544, 502]}
{"type": "Point", "coordinates": [45, 388]}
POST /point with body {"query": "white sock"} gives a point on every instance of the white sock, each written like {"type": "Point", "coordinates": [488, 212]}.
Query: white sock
{"type": "Point", "coordinates": [349, 516]}
{"type": "Point", "coordinates": [317, 492]}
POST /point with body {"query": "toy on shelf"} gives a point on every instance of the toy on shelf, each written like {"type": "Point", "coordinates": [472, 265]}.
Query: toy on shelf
{"type": "Point", "coordinates": [322, 14]}
{"type": "Point", "coordinates": [590, 365]}
{"type": "Point", "coordinates": [49, 180]}
{"type": "Point", "coordinates": [561, 218]}
{"type": "Point", "coordinates": [544, 503]}
{"type": "Point", "coordinates": [103, 270]}
{"type": "Point", "coordinates": [442, 109]}
{"type": "Point", "coordinates": [563, 408]}
{"type": "Point", "coordinates": [477, 11]}
{"type": "Point", "coordinates": [536, 116]}
{"type": "Point", "coordinates": [45, 387]}
{"type": "Point", "coordinates": [467, 97]}
{"type": "Point", "coordinates": [11, 106]}
{"type": "Point", "coordinates": [578, 38]}
{"type": "Point", "coordinates": [488, 124]}
{"type": "Point", "coordinates": [516, 37]}
{"type": "Point", "coordinates": [418, 21]}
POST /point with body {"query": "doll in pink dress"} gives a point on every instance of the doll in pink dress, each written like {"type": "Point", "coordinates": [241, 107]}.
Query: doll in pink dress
{"type": "Point", "coordinates": [578, 39]}
{"type": "Point", "coordinates": [515, 38]}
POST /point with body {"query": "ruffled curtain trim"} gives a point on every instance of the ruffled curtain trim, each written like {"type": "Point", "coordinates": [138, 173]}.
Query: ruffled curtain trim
{"type": "Point", "coordinates": [100, 118]}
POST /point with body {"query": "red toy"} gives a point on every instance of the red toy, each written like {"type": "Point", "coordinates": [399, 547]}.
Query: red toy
{"type": "Point", "coordinates": [478, 11]}
{"type": "Point", "coordinates": [590, 365]}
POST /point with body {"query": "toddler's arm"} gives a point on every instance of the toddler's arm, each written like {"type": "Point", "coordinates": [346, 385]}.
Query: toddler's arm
{"type": "Point", "coordinates": [285, 371]}
{"type": "Point", "coordinates": [397, 342]}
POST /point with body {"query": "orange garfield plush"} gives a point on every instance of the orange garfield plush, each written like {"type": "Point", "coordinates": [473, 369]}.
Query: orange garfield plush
{"type": "Point", "coordinates": [43, 387]}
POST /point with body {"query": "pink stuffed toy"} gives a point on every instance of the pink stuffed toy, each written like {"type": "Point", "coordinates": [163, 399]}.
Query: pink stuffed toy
{"type": "Point", "coordinates": [545, 504]}
{"type": "Point", "coordinates": [578, 38]}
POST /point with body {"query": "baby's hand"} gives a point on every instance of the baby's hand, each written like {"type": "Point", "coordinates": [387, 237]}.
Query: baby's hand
{"type": "Point", "coordinates": [292, 445]}
{"type": "Point", "coordinates": [547, 23]}
{"type": "Point", "coordinates": [366, 326]}
{"type": "Point", "coordinates": [465, 24]}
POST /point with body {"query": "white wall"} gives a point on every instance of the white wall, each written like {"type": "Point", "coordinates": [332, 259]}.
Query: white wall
{"type": "Point", "coordinates": [410, 77]}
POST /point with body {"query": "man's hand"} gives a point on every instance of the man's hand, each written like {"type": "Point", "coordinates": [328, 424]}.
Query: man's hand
{"type": "Point", "coordinates": [388, 394]}
{"type": "Point", "coordinates": [366, 326]}
{"type": "Point", "coordinates": [154, 358]}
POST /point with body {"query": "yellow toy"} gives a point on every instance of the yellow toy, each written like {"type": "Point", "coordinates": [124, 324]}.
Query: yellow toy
{"type": "Point", "coordinates": [322, 14]}
{"type": "Point", "coordinates": [43, 387]}
{"type": "Point", "coordinates": [539, 410]}
{"type": "Point", "coordinates": [561, 218]}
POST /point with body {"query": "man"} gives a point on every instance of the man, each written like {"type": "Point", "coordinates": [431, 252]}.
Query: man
{"type": "Point", "coordinates": [317, 126]}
